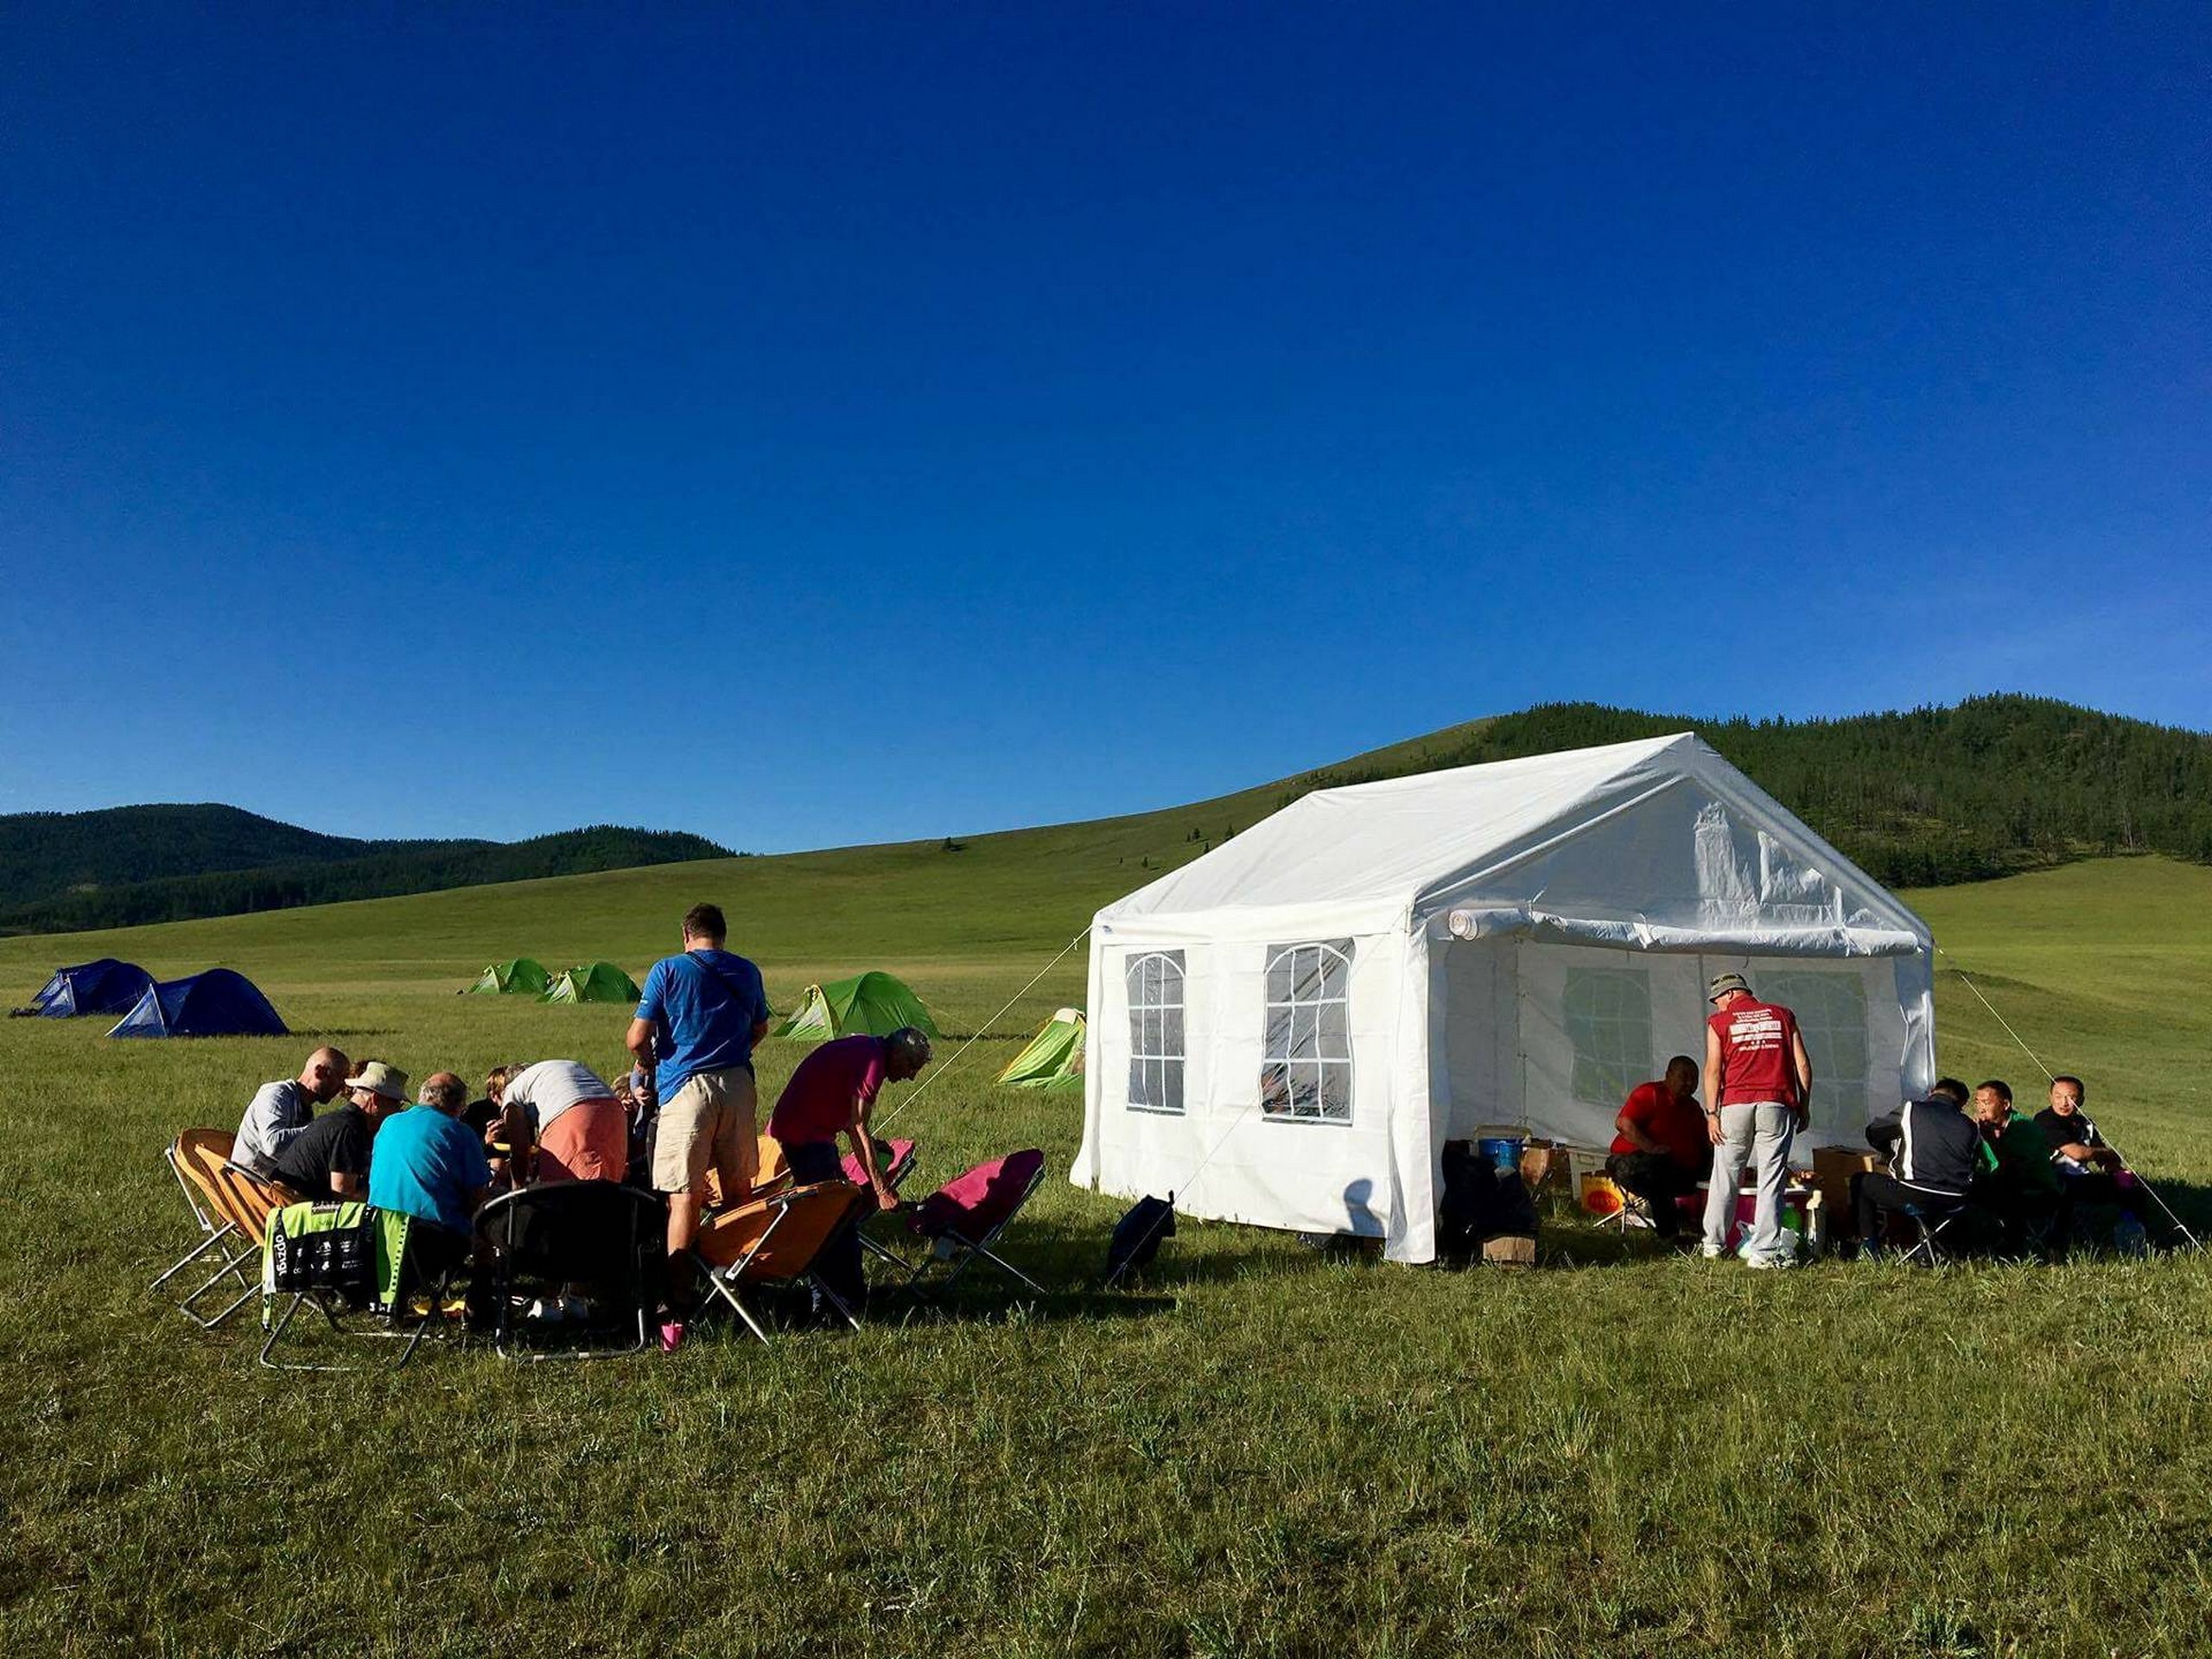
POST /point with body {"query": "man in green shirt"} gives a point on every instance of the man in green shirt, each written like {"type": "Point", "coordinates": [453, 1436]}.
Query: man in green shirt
{"type": "Point", "coordinates": [2022, 1188]}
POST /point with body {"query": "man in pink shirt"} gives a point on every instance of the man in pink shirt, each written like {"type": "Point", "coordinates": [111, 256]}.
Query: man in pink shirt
{"type": "Point", "coordinates": [831, 1094]}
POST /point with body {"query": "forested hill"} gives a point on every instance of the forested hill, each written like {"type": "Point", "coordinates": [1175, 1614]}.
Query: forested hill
{"type": "Point", "coordinates": [1919, 799]}
{"type": "Point", "coordinates": [65, 871]}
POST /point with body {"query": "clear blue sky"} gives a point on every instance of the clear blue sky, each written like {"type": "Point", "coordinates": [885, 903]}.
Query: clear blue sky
{"type": "Point", "coordinates": [817, 424]}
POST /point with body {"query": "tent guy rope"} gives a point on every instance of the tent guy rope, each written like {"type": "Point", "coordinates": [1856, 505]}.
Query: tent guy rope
{"type": "Point", "coordinates": [977, 1035]}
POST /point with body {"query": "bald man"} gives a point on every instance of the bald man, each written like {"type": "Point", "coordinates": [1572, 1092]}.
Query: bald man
{"type": "Point", "coordinates": [281, 1110]}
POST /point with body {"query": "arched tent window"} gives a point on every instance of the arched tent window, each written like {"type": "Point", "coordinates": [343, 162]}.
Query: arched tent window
{"type": "Point", "coordinates": [1608, 1016]}
{"type": "Point", "coordinates": [1155, 985]}
{"type": "Point", "coordinates": [1831, 1010]}
{"type": "Point", "coordinates": [1306, 1065]}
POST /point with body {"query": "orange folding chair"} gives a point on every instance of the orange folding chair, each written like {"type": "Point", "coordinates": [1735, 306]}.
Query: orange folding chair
{"type": "Point", "coordinates": [213, 1229]}
{"type": "Point", "coordinates": [776, 1240]}
{"type": "Point", "coordinates": [241, 1201]}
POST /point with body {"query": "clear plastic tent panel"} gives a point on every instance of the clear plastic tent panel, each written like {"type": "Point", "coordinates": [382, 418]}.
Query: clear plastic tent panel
{"type": "Point", "coordinates": [1306, 1059]}
{"type": "Point", "coordinates": [1155, 989]}
{"type": "Point", "coordinates": [1831, 1010]}
{"type": "Point", "coordinates": [1608, 1018]}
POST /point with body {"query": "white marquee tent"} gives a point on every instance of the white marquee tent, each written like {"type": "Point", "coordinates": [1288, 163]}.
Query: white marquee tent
{"type": "Point", "coordinates": [1288, 1030]}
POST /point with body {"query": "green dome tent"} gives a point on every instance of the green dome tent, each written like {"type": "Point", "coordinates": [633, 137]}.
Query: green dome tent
{"type": "Point", "coordinates": [1054, 1056]}
{"type": "Point", "coordinates": [519, 976]}
{"type": "Point", "coordinates": [875, 1003]}
{"type": "Point", "coordinates": [598, 981]}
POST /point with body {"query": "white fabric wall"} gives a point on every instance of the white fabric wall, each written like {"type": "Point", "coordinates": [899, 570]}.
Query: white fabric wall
{"type": "Point", "coordinates": [1223, 1159]}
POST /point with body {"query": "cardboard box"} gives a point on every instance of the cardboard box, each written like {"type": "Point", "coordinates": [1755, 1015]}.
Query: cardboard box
{"type": "Point", "coordinates": [1510, 1250]}
{"type": "Point", "coordinates": [1833, 1168]}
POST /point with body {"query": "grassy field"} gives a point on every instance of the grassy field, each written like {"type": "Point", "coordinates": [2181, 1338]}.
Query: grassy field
{"type": "Point", "coordinates": [1261, 1450]}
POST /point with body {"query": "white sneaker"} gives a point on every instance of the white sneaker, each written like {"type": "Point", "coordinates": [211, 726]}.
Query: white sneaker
{"type": "Point", "coordinates": [1711, 1252]}
{"type": "Point", "coordinates": [1776, 1262]}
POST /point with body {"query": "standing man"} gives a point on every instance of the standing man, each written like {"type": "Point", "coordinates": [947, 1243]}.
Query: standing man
{"type": "Point", "coordinates": [1660, 1149]}
{"type": "Point", "coordinates": [280, 1110]}
{"type": "Point", "coordinates": [697, 1022]}
{"type": "Point", "coordinates": [1760, 1080]}
{"type": "Point", "coordinates": [831, 1094]}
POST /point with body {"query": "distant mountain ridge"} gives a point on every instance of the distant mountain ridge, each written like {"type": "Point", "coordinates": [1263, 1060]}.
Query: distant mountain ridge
{"type": "Point", "coordinates": [119, 866]}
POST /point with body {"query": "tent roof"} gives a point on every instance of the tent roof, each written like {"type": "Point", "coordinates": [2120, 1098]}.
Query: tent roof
{"type": "Point", "coordinates": [1418, 845]}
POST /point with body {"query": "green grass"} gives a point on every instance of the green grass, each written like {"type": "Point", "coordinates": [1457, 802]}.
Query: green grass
{"type": "Point", "coordinates": [1260, 1451]}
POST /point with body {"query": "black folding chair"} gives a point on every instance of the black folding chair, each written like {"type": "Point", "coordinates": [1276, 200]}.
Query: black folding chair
{"type": "Point", "coordinates": [609, 1241]}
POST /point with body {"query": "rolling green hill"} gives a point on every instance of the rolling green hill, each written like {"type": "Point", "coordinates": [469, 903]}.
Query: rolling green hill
{"type": "Point", "coordinates": [126, 866]}
{"type": "Point", "coordinates": [1990, 787]}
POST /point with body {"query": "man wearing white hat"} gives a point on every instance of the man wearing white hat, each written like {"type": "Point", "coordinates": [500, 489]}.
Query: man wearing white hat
{"type": "Point", "coordinates": [1760, 1085]}
{"type": "Point", "coordinates": [330, 1158]}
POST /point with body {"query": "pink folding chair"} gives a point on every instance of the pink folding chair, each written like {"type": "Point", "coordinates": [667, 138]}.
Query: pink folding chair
{"type": "Point", "coordinates": [962, 1219]}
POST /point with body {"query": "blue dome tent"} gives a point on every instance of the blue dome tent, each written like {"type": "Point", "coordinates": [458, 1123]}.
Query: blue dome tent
{"type": "Point", "coordinates": [218, 1003]}
{"type": "Point", "coordinates": [103, 987]}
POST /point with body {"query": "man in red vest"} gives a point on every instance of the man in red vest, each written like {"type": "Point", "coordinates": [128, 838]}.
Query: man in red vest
{"type": "Point", "coordinates": [1761, 1085]}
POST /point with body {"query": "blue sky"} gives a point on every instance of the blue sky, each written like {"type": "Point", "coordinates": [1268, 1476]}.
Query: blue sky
{"type": "Point", "coordinates": [825, 423]}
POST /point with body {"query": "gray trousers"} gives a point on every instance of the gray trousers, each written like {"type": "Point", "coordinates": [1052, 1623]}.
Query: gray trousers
{"type": "Point", "coordinates": [1758, 1132]}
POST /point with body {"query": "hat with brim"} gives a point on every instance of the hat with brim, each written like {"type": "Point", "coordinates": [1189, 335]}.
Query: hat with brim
{"type": "Point", "coordinates": [1724, 984]}
{"type": "Point", "coordinates": [388, 1081]}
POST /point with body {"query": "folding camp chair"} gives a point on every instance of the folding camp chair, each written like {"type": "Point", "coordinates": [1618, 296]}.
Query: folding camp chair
{"type": "Point", "coordinates": [346, 1259]}
{"type": "Point", "coordinates": [608, 1238]}
{"type": "Point", "coordinates": [962, 1219]}
{"type": "Point", "coordinates": [1929, 1222]}
{"type": "Point", "coordinates": [239, 1202]}
{"type": "Point", "coordinates": [776, 1240]}
{"type": "Point", "coordinates": [214, 1147]}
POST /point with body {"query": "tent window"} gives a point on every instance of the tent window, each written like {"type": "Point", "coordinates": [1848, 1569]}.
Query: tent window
{"type": "Point", "coordinates": [1608, 1024]}
{"type": "Point", "coordinates": [1831, 1010]}
{"type": "Point", "coordinates": [1306, 1067]}
{"type": "Point", "coordinates": [1155, 982]}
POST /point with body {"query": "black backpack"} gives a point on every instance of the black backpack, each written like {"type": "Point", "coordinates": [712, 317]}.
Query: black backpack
{"type": "Point", "coordinates": [1137, 1236]}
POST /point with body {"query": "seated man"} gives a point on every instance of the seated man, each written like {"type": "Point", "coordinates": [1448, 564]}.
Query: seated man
{"type": "Point", "coordinates": [2089, 1171]}
{"type": "Point", "coordinates": [1661, 1148]}
{"type": "Point", "coordinates": [2020, 1187]}
{"type": "Point", "coordinates": [281, 1110]}
{"type": "Point", "coordinates": [330, 1158]}
{"type": "Point", "coordinates": [570, 1114]}
{"type": "Point", "coordinates": [429, 1166]}
{"type": "Point", "coordinates": [1935, 1155]}
{"type": "Point", "coordinates": [830, 1094]}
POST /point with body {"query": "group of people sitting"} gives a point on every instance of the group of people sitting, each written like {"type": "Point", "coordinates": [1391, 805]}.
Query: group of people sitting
{"type": "Point", "coordinates": [2034, 1180]}
{"type": "Point", "coordinates": [680, 1122]}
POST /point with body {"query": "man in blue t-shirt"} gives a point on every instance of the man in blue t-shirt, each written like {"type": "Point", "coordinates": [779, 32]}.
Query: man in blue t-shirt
{"type": "Point", "coordinates": [697, 1022]}
{"type": "Point", "coordinates": [427, 1165]}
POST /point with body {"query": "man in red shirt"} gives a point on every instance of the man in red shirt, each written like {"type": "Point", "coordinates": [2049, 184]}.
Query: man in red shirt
{"type": "Point", "coordinates": [831, 1094]}
{"type": "Point", "coordinates": [1661, 1150]}
{"type": "Point", "coordinates": [1761, 1080]}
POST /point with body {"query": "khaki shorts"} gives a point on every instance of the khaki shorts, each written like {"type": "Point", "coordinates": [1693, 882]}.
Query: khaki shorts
{"type": "Point", "coordinates": [707, 1123]}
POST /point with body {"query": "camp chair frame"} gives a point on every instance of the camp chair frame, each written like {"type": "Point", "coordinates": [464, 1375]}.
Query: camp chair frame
{"type": "Point", "coordinates": [723, 1282]}
{"type": "Point", "coordinates": [971, 1248]}
{"type": "Point", "coordinates": [1930, 1222]}
{"type": "Point", "coordinates": [215, 1228]}
{"type": "Point", "coordinates": [398, 1323]}
{"type": "Point", "coordinates": [645, 1212]}
{"type": "Point", "coordinates": [243, 1201]}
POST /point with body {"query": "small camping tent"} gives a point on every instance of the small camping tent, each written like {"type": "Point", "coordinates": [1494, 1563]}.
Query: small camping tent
{"type": "Point", "coordinates": [518, 977]}
{"type": "Point", "coordinates": [596, 981]}
{"type": "Point", "coordinates": [218, 1003]}
{"type": "Point", "coordinates": [103, 987]}
{"type": "Point", "coordinates": [876, 1003]}
{"type": "Point", "coordinates": [1054, 1056]}
{"type": "Point", "coordinates": [1288, 1029]}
